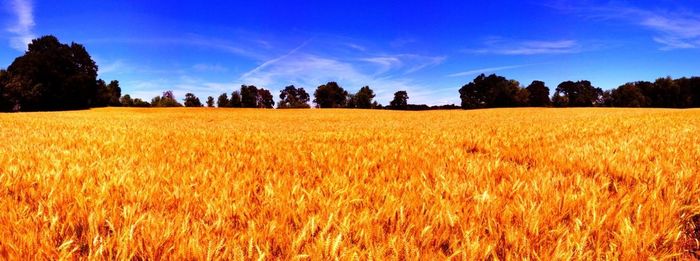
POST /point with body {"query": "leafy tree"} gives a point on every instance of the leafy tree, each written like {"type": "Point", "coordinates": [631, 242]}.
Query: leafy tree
{"type": "Point", "coordinates": [115, 92]}
{"type": "Point", "coordinates": [222, 101]}
{"type": "Point", "coordinates": [628, 95]}
{"type": "Point", "coordinates": [126, 101]}
{"type": "Point", "coordinates": [192, 101]}
{"type": "Point", "coordinates": [330, 95]}
{"type": "Point", "coordinates": [4, 78]}
{"type": "Point", "coordinates": [522, 97]}
{"type": "Point", "coordinates": [292, 97]}
{"type": "Point", "coordinates": [249, 96]}
{"type": "Point", "coordinates": [364, 98]}
{"type": "Point", "coordinates": [141, 103]}
{"type": "Point", "coordinates": [235, 100]}
{"type": "Point", "coordinates": [580, 93]}
{"type": "Point", "coordinates": [264, 99]}
{"type": "Point", "coordinates": [166, 100]}
{"type": "Point", "coordinates": [52, 76]}
{"type": "Point", "coordinates": [538, 94]}
{"type": "Point", "coordinates": [559, 101]}
{"type": "Point", "coordinates": [400, 101]}
{"type": "Point", "coordinates": [490, 91]}
{"type": "Point", "coordinates": [351, 101]}
{"type": "Point", "coordinates": [210, 101]}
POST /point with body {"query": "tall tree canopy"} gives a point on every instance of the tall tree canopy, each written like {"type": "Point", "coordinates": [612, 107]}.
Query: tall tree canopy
{"type": "Point", "coordinates": [249, 96]}
{"type": "Point", "coordinates": [264, 99]}
{"type": "Point", "coordinates": [292, 97]}
{"type": "Point", "coordinates": [400, 101]}
{"type": "Point", "coordinates": [330, 95]}
{"type": "Point", "coordinates": [538, 94]}
{"type": "Point", "coordinates": [364, 98]}
{"type": "Point", "coordinates": [222, 101]}
{"type": "Point", "coordinates": [235, 101]}
{"type": "Point", "coordinates": [51, 76]}
{"type": "Point", "coordinates": [580, 93]}
{"type": "Point", "coordinates": [192, 101]}
{"type": "Point", "coordinates": [491, 91]}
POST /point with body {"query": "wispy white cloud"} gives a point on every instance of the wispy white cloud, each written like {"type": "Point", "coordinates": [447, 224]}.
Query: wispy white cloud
{"type": "Point", "coordinates": [22, 29]}
{"type": "Point", "coordinates": [309, 70]}
{"type": "Point", "coordinates": [487, 70]}
{"type": "Point", "coordinates": [203, 67]}
{"type": "Point", "coordinates": [672, 29]}
{"type": "Point", "coordinates": [406, 63]}
{"type": "Point", "coordinates": [501, 46]}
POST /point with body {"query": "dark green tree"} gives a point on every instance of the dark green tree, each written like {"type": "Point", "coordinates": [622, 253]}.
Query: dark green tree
{"type": "Point", "coordinates": [580, 93]}
{"type": "Point", "coordinates": [628, 95]}
{"type": "Point", "coordinates": [222, 101]}
{"type": "Point", "coordinates": [235, 101]}
{"type": "Point", "coordinates": [249, 96]}
{"type": "Point", "coordinates": [292, 97]}
{"type": "Point", "coordinates": [400, 101]}
{"type": "Point", "coordinates": [166, 100]}
{"type": "Point", "coordinates": [264, 99]}
{"type": "Point", "coordinates": [192, 101]}
{"type": "Point", "coordinates": [364, 98]}
{"type": "Point", "coordinates": [210, 101]}
{"type": "Point", "coordinates": [538, 94]}
{"type": "Point", "coordinates": [330, 95]}
{"type": "Point", "coordinates": [490, 91]}
{"type": "Point", "coordinates": [52, 76]}
{"type": "Point", "coordinates": [126, 101]}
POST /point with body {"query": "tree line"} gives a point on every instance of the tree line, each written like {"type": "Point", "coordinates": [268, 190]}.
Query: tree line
{"type": "Point", "coordinates": [56, 76]}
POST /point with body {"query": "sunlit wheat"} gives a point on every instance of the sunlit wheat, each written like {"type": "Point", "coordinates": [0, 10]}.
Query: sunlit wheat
{"type": "Point", "coordinates": [350, 184]}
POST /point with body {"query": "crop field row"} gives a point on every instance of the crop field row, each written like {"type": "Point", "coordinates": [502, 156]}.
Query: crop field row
{"type": "Point", "coordinates": [125, 183]}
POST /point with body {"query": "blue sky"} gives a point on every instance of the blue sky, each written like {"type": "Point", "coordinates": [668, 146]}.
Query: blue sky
{"type": "Point", "coordinates": [429, 48]}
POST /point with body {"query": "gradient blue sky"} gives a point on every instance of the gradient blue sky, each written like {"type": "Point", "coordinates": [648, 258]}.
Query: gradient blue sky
{"type": "Point", "coordinates": [429, 48]}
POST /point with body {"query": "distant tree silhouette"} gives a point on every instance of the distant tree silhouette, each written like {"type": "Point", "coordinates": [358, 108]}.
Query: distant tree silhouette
{"type": "Point", "coordinates": [126, 101]}
{"type": "Point", "coordinates": [264, 99]}
{"type": "Point", "coordinates": [4, 78]}
{"type": "Point", "coordinates": [107, 94]}
{"type": "Point", "coordinates": [330, 95]}
{"type": "Point", "coordinates": [580, 93]}
{"type": "Point", "coordinates": [492, 91]}
{"type": "Point", "coordinates": [629, 95]}
{"type": "Point", "coordinates": [166, 100]}
{"type": "Point", "coordinates": [364, 98]}
{"type": "Point", "coordinates": [235, 101]}
{"type": "Point", "coordinates": [141, 103]}
{"type": "Point", "coordinates": [51, 76]}
{"type": "Point", "coordinates": [210, 101]}
{"type": "Point", "coordinates": [292, 97]}
{"type": "Point", "coordinates": [192, 101]}
{"type": "Point", "coordinates": [538, 94]}
{"type": "Point", "coordinates": [222, 101]}
{"type": "Point", "coordinates": [400, 101]}
{"type": "Point", "coordinates": [249, 96]}
{"type": "Point", "coordinates": [559, 100]}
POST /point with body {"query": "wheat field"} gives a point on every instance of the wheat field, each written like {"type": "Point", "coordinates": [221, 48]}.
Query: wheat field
{"type": "Point", "coordinates": [211, 184]}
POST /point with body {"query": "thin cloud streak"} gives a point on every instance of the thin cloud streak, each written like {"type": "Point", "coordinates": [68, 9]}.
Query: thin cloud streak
{"type": "Point", "coordinates": [526, 47]}
{"type": "Point", "coordinates": [22, 30]}
{"type": "Point", "coordinates": [672, 29]}
{"type": "Point", "coordinates": [487, 70]}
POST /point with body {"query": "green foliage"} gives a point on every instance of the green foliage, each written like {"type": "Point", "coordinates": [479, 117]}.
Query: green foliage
{"type": "Point", "coordinates": [538, 94]}
{"type": "Point", "coordinates": [51, 76]}
{"type": "Point", "coordinates": [210, 101]}
{"type": "Point", "coordinates": [330, 95]}
{"type": "Point", "coordinates": [249, 96]}
{"type": "Point", "coordinates": [191, 100]}
{"type": "Point", "coordinates": [492, 91]}
{"type": "Point", "coordinates": [363, 99]}
{"type": "Point", "coordinates": [292, 97]}
{"type": "Point", "coordinates": [235, 101]}
{"type": "Point", "coordinates": [400, 101]}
